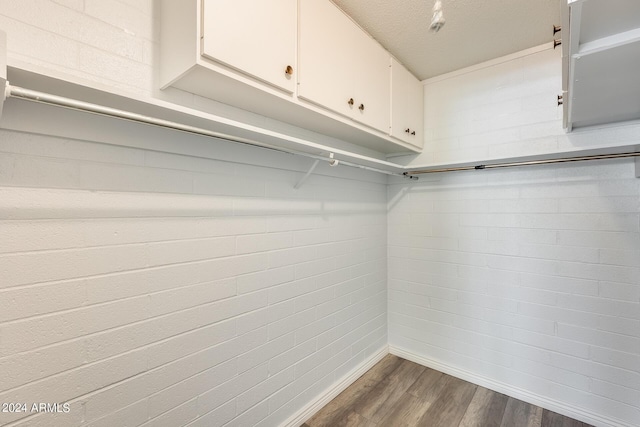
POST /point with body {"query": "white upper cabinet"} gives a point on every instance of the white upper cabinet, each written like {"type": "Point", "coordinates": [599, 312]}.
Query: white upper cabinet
{"type": "Point", "coordinates": [300, 62]}
{"type": "Point", "coordinates": [341, 67]}
{"type": "Point", "coordinates": [255, 37]}
{"type": "Point", "coordinates": [372, 90]}
{"type": "Point", "coordinates": [407, 117]}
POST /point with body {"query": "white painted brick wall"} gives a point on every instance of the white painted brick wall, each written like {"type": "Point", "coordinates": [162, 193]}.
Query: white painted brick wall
{"type": "Point", "coordinates": [530, 276]}
{"type": "Point", "coordinates": [110, 42]}
{"type": "Point", "coordinates": [153, 289]}
{"type": "Point", "coordinates": [150, 288]}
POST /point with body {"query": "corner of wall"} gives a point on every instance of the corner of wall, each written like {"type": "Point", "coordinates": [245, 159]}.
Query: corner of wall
{"type": "Point", "coordinates": [3, 68]}
{"type": "Point", "coordinates": [328, 395]}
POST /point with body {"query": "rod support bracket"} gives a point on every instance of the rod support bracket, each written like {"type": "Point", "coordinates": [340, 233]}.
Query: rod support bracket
{"type": "Point", "coordinates": [409, 176]}
{"type": "Point", "coordinates": [332, 161]}
{"type": "Point", "coordinates": [306, 175]}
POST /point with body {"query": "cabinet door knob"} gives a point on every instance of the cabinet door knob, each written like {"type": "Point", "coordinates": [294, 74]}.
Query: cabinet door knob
{"type": "Point", "coordinates": [407, 130]}
{"type": "Point", "coordinates": [361, 107]}
{"type": "Point", "coordinates": [413, 133]}
{"type": "Point", "coordinates": [289, 70]}
{"type": "Point", "coordinates": [350, 101]}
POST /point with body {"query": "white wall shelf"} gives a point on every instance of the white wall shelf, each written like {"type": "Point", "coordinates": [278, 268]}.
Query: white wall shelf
{"type": "Point", "coordinates": [237, 131]}
{"type": "Point", "coordinates": [166, 111]}
{"type": "Point", "coordinates": [558, 157]}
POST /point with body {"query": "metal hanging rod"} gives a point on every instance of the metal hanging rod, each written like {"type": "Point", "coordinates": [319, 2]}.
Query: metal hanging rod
{"type": "Point", "coordinates": [59, 101]}
{"type": "Point", "coordinates": [526, 163]}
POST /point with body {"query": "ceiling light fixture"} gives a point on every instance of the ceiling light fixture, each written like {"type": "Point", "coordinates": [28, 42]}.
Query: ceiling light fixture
{"type": "Point", "coordinates": [437, 20]}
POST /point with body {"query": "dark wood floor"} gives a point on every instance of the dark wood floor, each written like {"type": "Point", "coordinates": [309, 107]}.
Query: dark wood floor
{"type": "Point", "coordinates": [399, 393]}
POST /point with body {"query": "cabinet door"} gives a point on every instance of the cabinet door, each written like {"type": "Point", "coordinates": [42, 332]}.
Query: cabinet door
{"type": "Point", "coordinates": [399, 102]}
{"type": "Point", "coordinates": [325, 56]}
{"type": "Point", "coordinates": [256, 37]}
{"type": "Point", "coordinates": [416, 111]}
{"type": "Point", "coordinates": [407, 121]}
{"type": "Point", "coordinates": [372, 83]}
{"type": "Point", "coordinates": [341, 67]}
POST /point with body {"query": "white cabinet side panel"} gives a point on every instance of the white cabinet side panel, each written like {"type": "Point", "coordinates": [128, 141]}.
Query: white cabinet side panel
{"type": "Point", "coordinates": [179, 39]}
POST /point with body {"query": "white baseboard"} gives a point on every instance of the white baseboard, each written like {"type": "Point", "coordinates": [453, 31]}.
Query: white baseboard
{"type": "Point", "coordinates": [299, 418]}
{"type": "Point", "coordinates": [517, 393]}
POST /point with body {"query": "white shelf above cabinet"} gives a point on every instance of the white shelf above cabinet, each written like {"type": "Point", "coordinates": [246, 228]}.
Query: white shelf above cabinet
{"type": "Point", "coordinates": [602, 62]}
{"type": "Point", "coordinates": [257, 81]}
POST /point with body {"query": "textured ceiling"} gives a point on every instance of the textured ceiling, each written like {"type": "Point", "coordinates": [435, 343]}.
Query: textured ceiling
{"type": "Point", "coordinates": [475, 30]}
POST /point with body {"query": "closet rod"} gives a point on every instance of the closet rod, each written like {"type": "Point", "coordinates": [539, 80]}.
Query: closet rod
{"type": "Point", "coordinates": [59, 101]}
{"type": "Point", "coordinates": [526, 163]}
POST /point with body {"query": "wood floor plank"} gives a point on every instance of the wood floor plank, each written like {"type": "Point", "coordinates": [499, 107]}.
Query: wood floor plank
{"type": "Point", "coordinates": [553, 419]}
{"type": "Point", "coordinates": [519, 413]}
{"type": "Point", "coordinates": [485, 410]}
{"type": "Point", "coordinates": [340, 407]}
{"type": "Point", "coordinates": [383, 368]}
{"type": "Point", "coordinates": [406, 413]}
{"type": "Point", "coordinates": [399, 393]}
{"type": "Point", "coordinates": [381, 399]}
{"type": "Point", "coordinates": [353, 419]}
{"type": "Point", "coordinates": [429, 385]}
{"type": "Point", "coordinates": [450, 406]}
